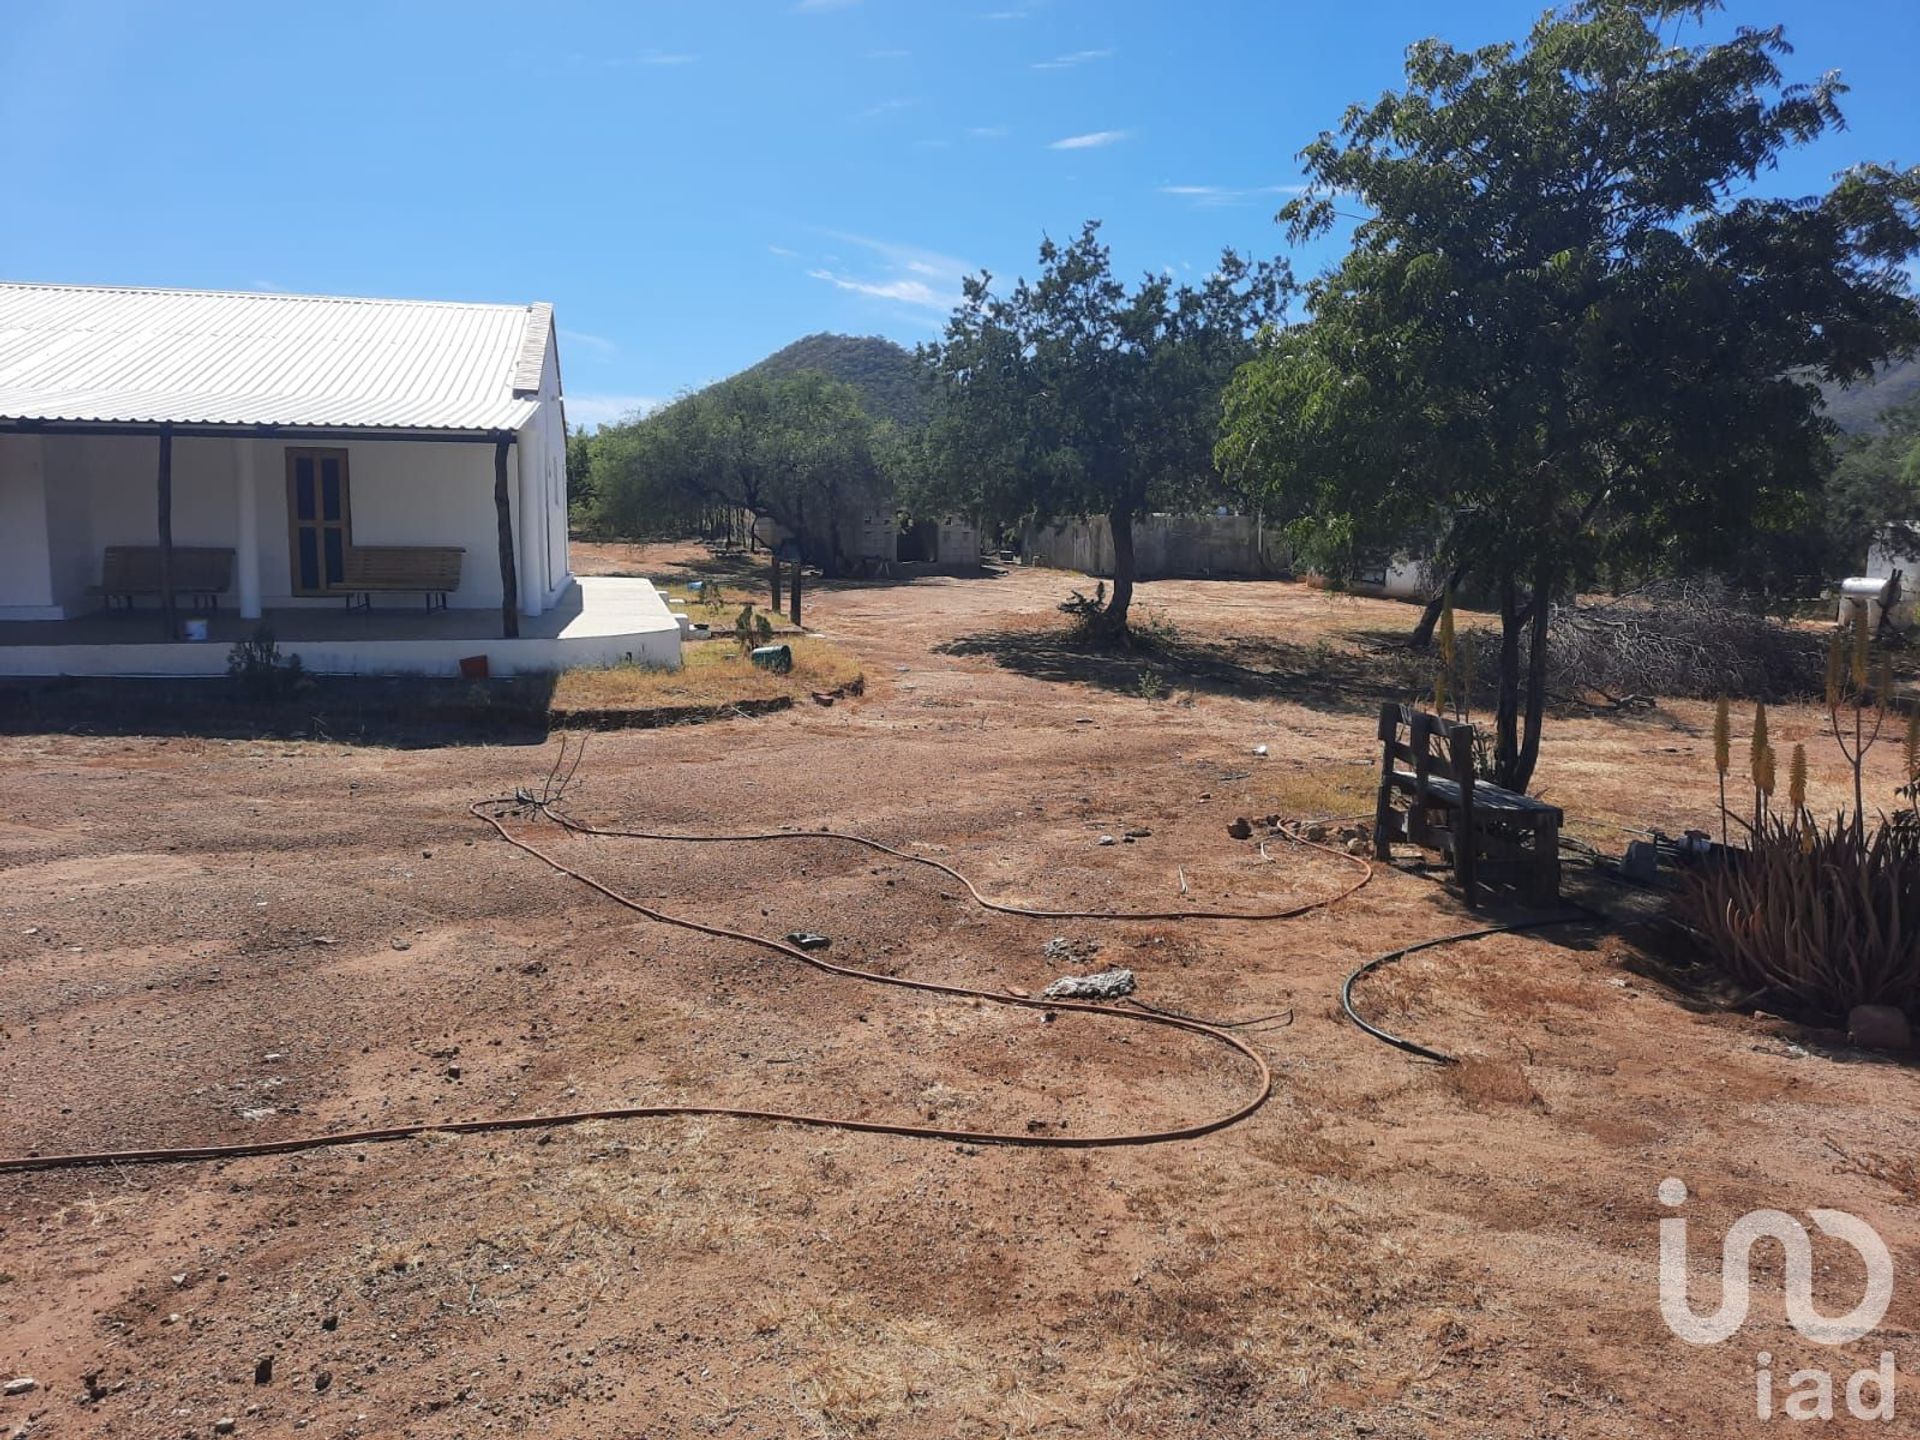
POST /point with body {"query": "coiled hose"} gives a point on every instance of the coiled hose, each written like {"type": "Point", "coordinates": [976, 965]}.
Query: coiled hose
{"type": "Point", "coordinates": [491, 811]}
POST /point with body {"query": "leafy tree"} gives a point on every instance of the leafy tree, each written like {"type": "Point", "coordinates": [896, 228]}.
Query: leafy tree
{"type": "Point", "coordinates": [1564, 336]}
{"type": "Point", "coordinates": [1073, 395]}
{"type": "Point", "coordinates": [580, 492]}
{"type": "Point", "coordinates": [797, 450]}
{"type": "Point", "coordinates": [1876, 485]}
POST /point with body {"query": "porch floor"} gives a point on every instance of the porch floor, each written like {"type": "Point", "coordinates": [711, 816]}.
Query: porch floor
{"type": "Point", "coordinates": [597, 619]}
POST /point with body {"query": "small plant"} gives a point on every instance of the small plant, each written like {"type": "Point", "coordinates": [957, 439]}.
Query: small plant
{"type": "Point", "coordinates": [260, 670]}
{"type": "Point", "coordinates": [751, 628]}
{"type": "Point", "coordinates": [713, 597]}
{"type": "Point", "coordinates": [1151, 684]}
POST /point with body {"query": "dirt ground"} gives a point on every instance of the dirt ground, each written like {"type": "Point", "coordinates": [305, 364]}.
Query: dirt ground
{"type": "Point", "coordinates": [224, 940]}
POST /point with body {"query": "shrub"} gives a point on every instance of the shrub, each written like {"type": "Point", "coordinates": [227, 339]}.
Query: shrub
{"type": "Point", "coordinates": [261, 672]}
{"type": "Point", "coordinates": [1826, 915]}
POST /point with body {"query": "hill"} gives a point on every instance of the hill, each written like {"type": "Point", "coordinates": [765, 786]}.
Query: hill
{"type": "Point", "coordinates": [1857, 408]}
{"type": "Point", "coordinates": [883, 372]}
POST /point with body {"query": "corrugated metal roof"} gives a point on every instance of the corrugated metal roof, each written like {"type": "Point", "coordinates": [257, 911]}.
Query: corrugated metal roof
{"type": "Point", "coordinates": [202, 357]}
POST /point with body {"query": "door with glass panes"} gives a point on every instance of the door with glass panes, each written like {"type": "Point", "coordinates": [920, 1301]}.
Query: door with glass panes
{"type": "Point", "coordinates": [319, 520]}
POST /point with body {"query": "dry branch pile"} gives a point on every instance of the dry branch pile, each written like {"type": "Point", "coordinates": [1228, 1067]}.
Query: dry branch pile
{"type": "Point", "coordinates": [1678, 639]}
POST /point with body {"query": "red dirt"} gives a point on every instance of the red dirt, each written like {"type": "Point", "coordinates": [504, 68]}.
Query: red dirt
{"type": "Point", "coordinates": [1386, 1249]}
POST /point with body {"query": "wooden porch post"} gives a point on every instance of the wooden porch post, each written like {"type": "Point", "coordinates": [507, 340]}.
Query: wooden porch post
{"type": "Point", "coordinates": [165, 527]}
{"type": "Point", "coordinates": [509, 576]}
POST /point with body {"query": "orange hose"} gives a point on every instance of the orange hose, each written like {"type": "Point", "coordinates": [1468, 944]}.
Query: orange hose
{"type": "Point", "coordinates": [1263, 1073]}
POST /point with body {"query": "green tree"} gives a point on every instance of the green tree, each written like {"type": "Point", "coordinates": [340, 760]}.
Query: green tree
{"type": "Point", "coordinates": [580, 492]}
{"type": "Point", "coordinates": [1564, 336]}
{"type": "Point", "coordinates": [797, 450]}
{"type": "Point", "coordinates": [1875, 486]}
{"type": "Point", "coordinates": [1074, 396]}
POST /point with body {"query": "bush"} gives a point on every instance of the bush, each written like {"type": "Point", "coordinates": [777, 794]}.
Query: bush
{"type": "Point", "coordinates": [1826, 916]}
{"type": "Point", "coordinates": [262, 673]}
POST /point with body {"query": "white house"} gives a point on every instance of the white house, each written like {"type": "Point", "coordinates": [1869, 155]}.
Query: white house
{"type": "Point", "coordinates": [380, 482]}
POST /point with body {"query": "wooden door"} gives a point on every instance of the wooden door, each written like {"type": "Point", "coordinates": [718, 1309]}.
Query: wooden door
{"type": "Point", "coordinates": [319, 519]}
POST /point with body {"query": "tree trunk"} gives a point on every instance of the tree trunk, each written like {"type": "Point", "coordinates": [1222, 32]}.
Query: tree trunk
{"type": "Point", "coordinates": [1113, 620]}
{"type": "Point", "coordinates": [773, 578]}
{"type": "Point", "coordinates": [1506, 717]}
{"type": "Point", "coordinates": [503, 515]}
{"type": "Point", "coordinates": [1422, 635]}
{"type": "Point", "coordinates": [793, 613]}
{"type": "Point", "coordinates": [1542, 609]}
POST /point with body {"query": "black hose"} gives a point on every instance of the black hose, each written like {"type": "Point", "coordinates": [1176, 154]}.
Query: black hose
{"type": "Point", "coordinates": [1414, 1047]}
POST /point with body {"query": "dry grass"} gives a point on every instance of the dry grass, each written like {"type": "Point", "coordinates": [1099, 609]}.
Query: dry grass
{"type": "Point", "coordinates": [712, 674]}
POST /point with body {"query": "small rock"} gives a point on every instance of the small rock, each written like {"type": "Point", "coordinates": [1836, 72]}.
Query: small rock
{"type": "Point", "coordinates": [402, 945]}
{"type": "Point", "coordinates": [1356, 846]}
{"type": "Point", "coordinates": [1315, 832]}
{"type": "Point", "coordinates": [323, 1380]}
{"type": "Point", "coordinates": [1241, 829]}
{"type": "Point", "coordinates": [1106, 985]}
{"type": "Point", "coordinates": [20, 1385]}
{"type": "Point", "coordinates": [1260, 751]}
{"type": "Point", "coordinates": [1879, 1027]}
{"type": "Point", "coordinates": [453, 1072]}
{"type": "Point", "coordinates": [1107, 840]}
{"type": "Point", "coordinates": [332, 1322]}
{"type": "Point", "coordinates": [224, 1425]}
{"type": "Point", "coordinates": [1138, 832]}
{"type": "Point", "coordinates": [178, 1280]}
{"type": "Point", "coordinates": [808, 940]}
{"type": "Point", "coordinates": [172, 1319]}
{"type": "Point", "coordinates": [263, 1370]}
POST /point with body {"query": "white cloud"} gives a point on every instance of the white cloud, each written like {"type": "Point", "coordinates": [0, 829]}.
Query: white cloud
{"type": "Point", "coordinates": [782, 251]}
{"type": "Point", "coordinates": [1211, 196]}
{"type": "Point", "coordinates": [886, 107]}
{"type": "Point", "coordinates": [1092, 140]}
{"type": "Point", "coordinates": [910, 292]}
{"type": "Point", "coordinates": [1073, 58]}
{"type": "Point", "coordinates": [595, 410]}
{"type": "Point", "coordinates": [599, 344]}
{"type": "Point", "coordinates": [904, 274]}
{"type": "Point", "coordinates": [989, 132]}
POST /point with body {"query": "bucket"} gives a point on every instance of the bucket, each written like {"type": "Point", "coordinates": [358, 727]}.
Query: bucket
{"type": "Point", "coordinates": [473, 667]}
{"type": "Point", "coordinates": [194, 629]}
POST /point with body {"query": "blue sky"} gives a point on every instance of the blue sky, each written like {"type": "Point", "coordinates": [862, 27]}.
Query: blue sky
{"type": "Point", "coordinates": [696, 182]}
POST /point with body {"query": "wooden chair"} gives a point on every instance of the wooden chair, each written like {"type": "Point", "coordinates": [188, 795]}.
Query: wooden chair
{"type": "Point", "coordinates": [1490, 835]}
{"type": "Point", "coordinates": [432, 570]}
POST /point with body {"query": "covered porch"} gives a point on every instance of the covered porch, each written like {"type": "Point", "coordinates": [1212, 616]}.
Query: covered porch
{"type": "Point", "coordinates": [596, 621]}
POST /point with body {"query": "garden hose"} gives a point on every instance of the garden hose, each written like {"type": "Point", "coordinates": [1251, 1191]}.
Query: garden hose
{"type": "Point", "coordinates": [1583, 915]}
{"type": "Point", "coordinates": [490, 811]}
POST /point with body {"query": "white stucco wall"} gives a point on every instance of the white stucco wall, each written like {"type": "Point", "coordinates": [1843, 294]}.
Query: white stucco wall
{"type": "Point", "coordinates": [26, 584]}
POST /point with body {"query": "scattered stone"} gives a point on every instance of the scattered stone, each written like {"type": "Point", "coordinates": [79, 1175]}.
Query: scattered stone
{"type": "Point", "coordinates": [1138, 832]}
{"type": "Point", "coordinates": [808, 940]}
{"type": "Point", "coordinates": [1104, 985]}
{"type": "Point", "coordinates": [178, 1280]}
{"type": "Point", "coordinates": [400, 944]}
{"type": "Point", "coordinates": [173, 1318]}
{"type": "Point", "coordinates": [263, 1370]}
{"type": "Point", "coordinates": [272, 1057]}
{"type": "Point", "coordinates": [1073, 952]}
{"type": "Point", "coordinates": [323, 1380]}
{"type": "Point", "coordinates": [332, 1322]}
{"type": "Point", "coordinates": [1260, 751]}
{"type": "Point", "coordinates": [453, 1072]}
{"type": "Point", "coordinates": [1107, 840]}
{"type": "Point", "coordinates": [1316, 832]}
{"type": "Point", "coordinates": [224, 1425]}
{"type": "Point", "coordinates": [1356, 846]}
{"type": "Point", "coordinates": [1879, 1027]}
{"type": "Point", "coordinates": [20, 1385]}
{"type": "Point", "coordinates": [1241, 829]}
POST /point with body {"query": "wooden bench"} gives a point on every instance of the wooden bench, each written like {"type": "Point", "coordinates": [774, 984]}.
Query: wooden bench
{"type": "Point", "coordinates": [433, 570]}
{"type": "Point", "coordinates": [202, 573]}
{"type": "Point", "coordinates": [1490, 835]}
